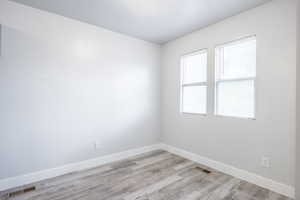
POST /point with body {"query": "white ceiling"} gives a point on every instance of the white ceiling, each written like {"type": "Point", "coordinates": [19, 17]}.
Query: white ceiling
{"type": "Point", "coordinates": [156, 21]}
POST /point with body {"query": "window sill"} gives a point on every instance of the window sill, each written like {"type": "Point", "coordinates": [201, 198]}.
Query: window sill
{"type": "Point", "coordinates": [187, 113]}
{"type": "Point", "coordinates": [218, 116]}
{"type": "Point", "coordinates": [233, 117]}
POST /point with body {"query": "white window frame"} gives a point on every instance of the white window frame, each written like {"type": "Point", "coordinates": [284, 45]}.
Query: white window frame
{"type": "Point", "coordinates": [218, 81]}
{"type": "Point", "coordinates": [183, 85]}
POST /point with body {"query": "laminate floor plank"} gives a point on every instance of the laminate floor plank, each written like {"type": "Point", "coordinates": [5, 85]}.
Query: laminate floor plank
{"type": "Point", "coordinates": [156, 175]}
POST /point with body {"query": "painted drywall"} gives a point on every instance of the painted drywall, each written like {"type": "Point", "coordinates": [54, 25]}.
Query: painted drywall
{"type": "Point", "coordinates": [65, 85]}
{"type": "Point", "coordinates": [240, 142]}
{"type": "Point", "coordinates": [298, 107]}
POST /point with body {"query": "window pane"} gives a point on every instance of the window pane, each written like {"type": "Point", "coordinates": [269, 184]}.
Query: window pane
{"type": "Point", "coordinates": [194, 99]}
{"type": "Point", "coordinates": [194, 68]}
{"type": "Point", "coordinates": [239, 59]}
{"type": "Point", "coordinates": [236, 98]}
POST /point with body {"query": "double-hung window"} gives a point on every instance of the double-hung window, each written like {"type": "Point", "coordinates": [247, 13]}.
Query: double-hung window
{"type": "Point", "coordinates": [235, 78]}
{"type": "Point", "coordinates": [194, 82]}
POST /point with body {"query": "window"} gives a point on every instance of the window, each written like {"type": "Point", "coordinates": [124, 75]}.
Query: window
{"type": "Point", "coordinates": [235, 78]}
{"type": "Point", "coordinates": [194, 82]}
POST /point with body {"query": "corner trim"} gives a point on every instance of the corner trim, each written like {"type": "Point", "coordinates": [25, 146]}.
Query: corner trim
{"type": "Point", "coordinates": [17, 181]}
{"type": "Point", "coordinates": [233, 171]}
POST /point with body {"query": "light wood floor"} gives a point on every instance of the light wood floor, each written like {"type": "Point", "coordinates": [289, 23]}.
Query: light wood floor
{"type": "Point", "coordinates": [156, 175]}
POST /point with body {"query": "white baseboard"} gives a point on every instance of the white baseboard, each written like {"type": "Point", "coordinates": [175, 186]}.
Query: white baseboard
{"type": "Point", "coordinates": [18, 181]}
{"type": "Point", "coordinates": [238, 173]}
{"type": "Point", "coordinates": [267, 183]}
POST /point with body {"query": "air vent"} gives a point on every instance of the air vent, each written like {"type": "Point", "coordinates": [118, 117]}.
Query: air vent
{"type": "Point", "coordinates": [204, 170]}
{"type": "Point", "coordinates": [22, 191]}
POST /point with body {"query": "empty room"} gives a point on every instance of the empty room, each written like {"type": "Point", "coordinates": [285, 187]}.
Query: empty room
{"type": "Point", "coordinates": [149, 100]}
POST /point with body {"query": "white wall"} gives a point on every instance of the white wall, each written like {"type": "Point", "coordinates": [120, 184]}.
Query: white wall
{"type": "Point", "coordinates": [66, 84]}
{"type": "Point", "coordinates": [298, 106]}
{"type": "Point", "coordinates": [239, 142]}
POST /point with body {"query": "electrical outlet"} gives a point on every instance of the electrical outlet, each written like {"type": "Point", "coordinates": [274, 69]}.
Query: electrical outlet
{"type": "Point", "coordinates": [97, 145]}
{"type": "Point", "coordinates": [265, 162]}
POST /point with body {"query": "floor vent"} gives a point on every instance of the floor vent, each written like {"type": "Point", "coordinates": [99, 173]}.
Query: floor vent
{"type": "Point", "coordinates": [22, 191]}
{"type": "Point", "coordinates": [204, 170]}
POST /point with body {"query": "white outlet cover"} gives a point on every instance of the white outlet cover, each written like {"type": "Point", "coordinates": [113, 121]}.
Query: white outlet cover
{"type": "Point", "coordinates": [97, 145]}
{"type": "Point", "coordinates": [265, 161]}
